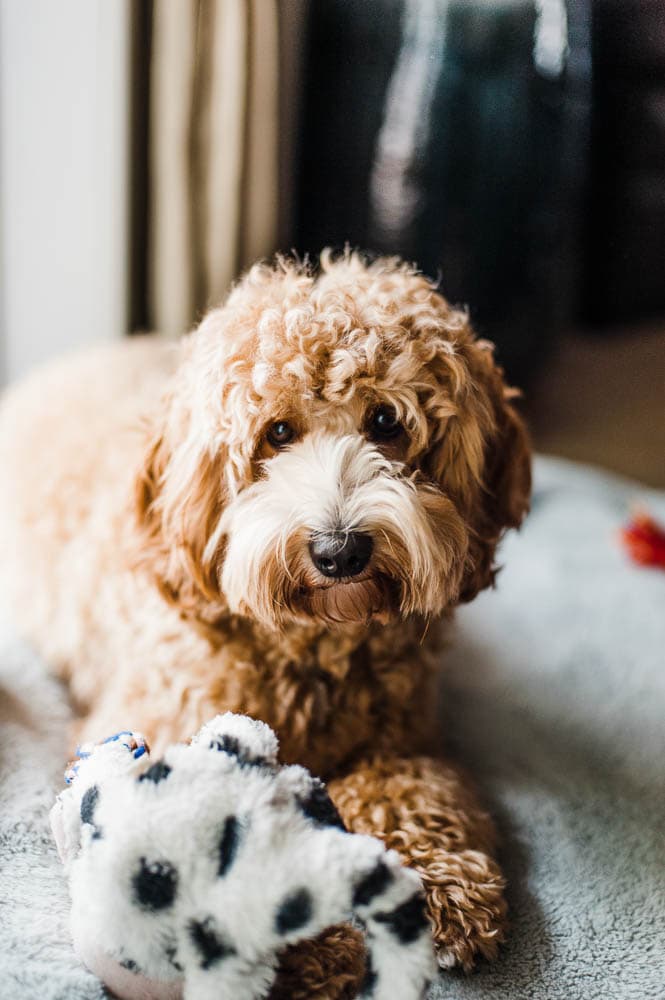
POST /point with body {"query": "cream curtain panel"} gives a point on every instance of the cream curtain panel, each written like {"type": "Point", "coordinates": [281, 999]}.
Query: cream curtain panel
{"type": "Point", "coordinates": [224, 83]}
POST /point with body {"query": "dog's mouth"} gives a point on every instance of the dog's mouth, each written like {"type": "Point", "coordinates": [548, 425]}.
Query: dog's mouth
{"type": "Point", "coordinates": [372, 596]}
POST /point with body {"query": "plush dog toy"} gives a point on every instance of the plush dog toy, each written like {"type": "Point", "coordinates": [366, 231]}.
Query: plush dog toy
{"type": "Point", "coordinates": [189, 874]}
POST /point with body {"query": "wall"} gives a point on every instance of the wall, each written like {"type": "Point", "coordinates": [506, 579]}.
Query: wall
{"type": "Point", "coordinates": [64, 100]}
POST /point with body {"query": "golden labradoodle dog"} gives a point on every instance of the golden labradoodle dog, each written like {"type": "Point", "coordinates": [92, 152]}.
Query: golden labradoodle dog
{"type": "Point", "coordinates": [266, 518]}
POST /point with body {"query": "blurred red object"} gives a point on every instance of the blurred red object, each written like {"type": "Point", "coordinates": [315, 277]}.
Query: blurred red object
{"type": "Point", "coordinates": [644, 540]}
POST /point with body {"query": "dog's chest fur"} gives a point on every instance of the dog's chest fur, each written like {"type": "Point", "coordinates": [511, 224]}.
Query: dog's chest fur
{"type": "Point", "coordinates": [330, 696]}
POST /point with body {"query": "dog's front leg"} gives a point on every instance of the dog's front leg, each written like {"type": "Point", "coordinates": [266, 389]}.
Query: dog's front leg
{"type": "Point", "coordinates": [424, 809]}
{"type": "Point", "coordinates": [330, 966]}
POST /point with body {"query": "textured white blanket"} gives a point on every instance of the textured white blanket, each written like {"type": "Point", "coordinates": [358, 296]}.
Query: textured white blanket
{"type": "Point", "coordinates": [554, 694]}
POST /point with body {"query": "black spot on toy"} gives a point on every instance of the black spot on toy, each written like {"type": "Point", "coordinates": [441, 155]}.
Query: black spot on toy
{"type": "Point", "coordinates": [155, 884]}
{"type": "Point", "coordinates": [232, 746]}
{"type": "Point", "coordinates": [372, 885]}
{"type": "Point", "coordinates": [408, 921]}
{"type": "Point", "coordinates": [157, 772]}
{"type": "Point", "coordinates": [318, 806]}
{"type": "Point", "coordinates": [294, 912]}
{"type": "Point", "coordinates": [228, 844]}
{"type": "Point", "coordinates": [130, 965]}
{"type": "Point", "coordinates": [88, 804]}
{"type": "Point", "coordinates": [171, 953]}
{"type": "Point", "coordinates": [226, 744]}
{"type": "Point", "coordinates": [211, 946]}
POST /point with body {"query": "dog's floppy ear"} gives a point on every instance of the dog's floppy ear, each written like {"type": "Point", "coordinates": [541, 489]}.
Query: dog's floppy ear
{"type": "Point", "coordinates": [179, 499]}
{"type": "Point", "coordinates": [502, 499]}
{"type": "Point", "coordinates": [480, 453]}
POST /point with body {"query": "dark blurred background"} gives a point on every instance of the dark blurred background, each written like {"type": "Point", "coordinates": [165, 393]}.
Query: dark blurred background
{"type": "Point", "coordinates": [515, 149]}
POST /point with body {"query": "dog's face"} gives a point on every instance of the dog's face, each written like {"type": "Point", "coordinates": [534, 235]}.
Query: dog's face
{"type": "Point", "coordinates": [334, 449]}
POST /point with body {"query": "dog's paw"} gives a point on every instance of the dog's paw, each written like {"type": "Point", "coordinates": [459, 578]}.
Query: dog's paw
{"type": "Point", "coordinates": [331, 966]}
{"type": "Point", "coordinates": [466, 904]}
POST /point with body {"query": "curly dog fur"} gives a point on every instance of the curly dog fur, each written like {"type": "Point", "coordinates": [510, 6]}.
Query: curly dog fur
{"type": "Point", "coordinates": [157, 533]}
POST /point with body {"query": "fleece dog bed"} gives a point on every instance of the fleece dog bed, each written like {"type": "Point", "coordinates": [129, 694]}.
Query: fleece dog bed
{"type": "Point", "coordinates": [553, 695]}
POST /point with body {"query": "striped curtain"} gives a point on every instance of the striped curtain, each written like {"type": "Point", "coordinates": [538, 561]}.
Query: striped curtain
{"type": "Point", "coordinates": [224, 85]}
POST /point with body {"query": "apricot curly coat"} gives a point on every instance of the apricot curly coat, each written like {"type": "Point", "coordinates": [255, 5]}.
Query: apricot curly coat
{"type": "Point", "coordinates": [154, 543]}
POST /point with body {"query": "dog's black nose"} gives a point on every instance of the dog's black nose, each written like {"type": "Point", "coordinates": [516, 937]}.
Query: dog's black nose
{"type": "Point", "coordinates": [341, 553]}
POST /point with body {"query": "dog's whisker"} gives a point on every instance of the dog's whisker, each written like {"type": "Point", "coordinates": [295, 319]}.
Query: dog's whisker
{"type": "Point", "coordinates": [426, 623]}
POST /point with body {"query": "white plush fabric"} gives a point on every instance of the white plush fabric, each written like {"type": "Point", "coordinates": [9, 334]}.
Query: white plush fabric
{"type": "Point", "coordinates": [36, 957]}
{"type": "Point", "coordinates": [554, 696]}
{"type": "Point", "coordinates": [202, 865]}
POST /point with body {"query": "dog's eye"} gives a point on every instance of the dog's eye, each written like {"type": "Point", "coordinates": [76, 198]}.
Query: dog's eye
{"type": "Point", "coordinates": [280, 433]}
{"type": "Point", "coordinates": [383, 423]}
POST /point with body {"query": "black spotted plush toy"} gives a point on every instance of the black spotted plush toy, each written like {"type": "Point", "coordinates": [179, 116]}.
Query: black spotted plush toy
{"type": "Point", "coordinates": [188, 875]}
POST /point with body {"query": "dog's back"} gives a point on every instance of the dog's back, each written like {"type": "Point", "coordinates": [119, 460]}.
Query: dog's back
{"type": "Point", "coordinates": [69, 445]}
